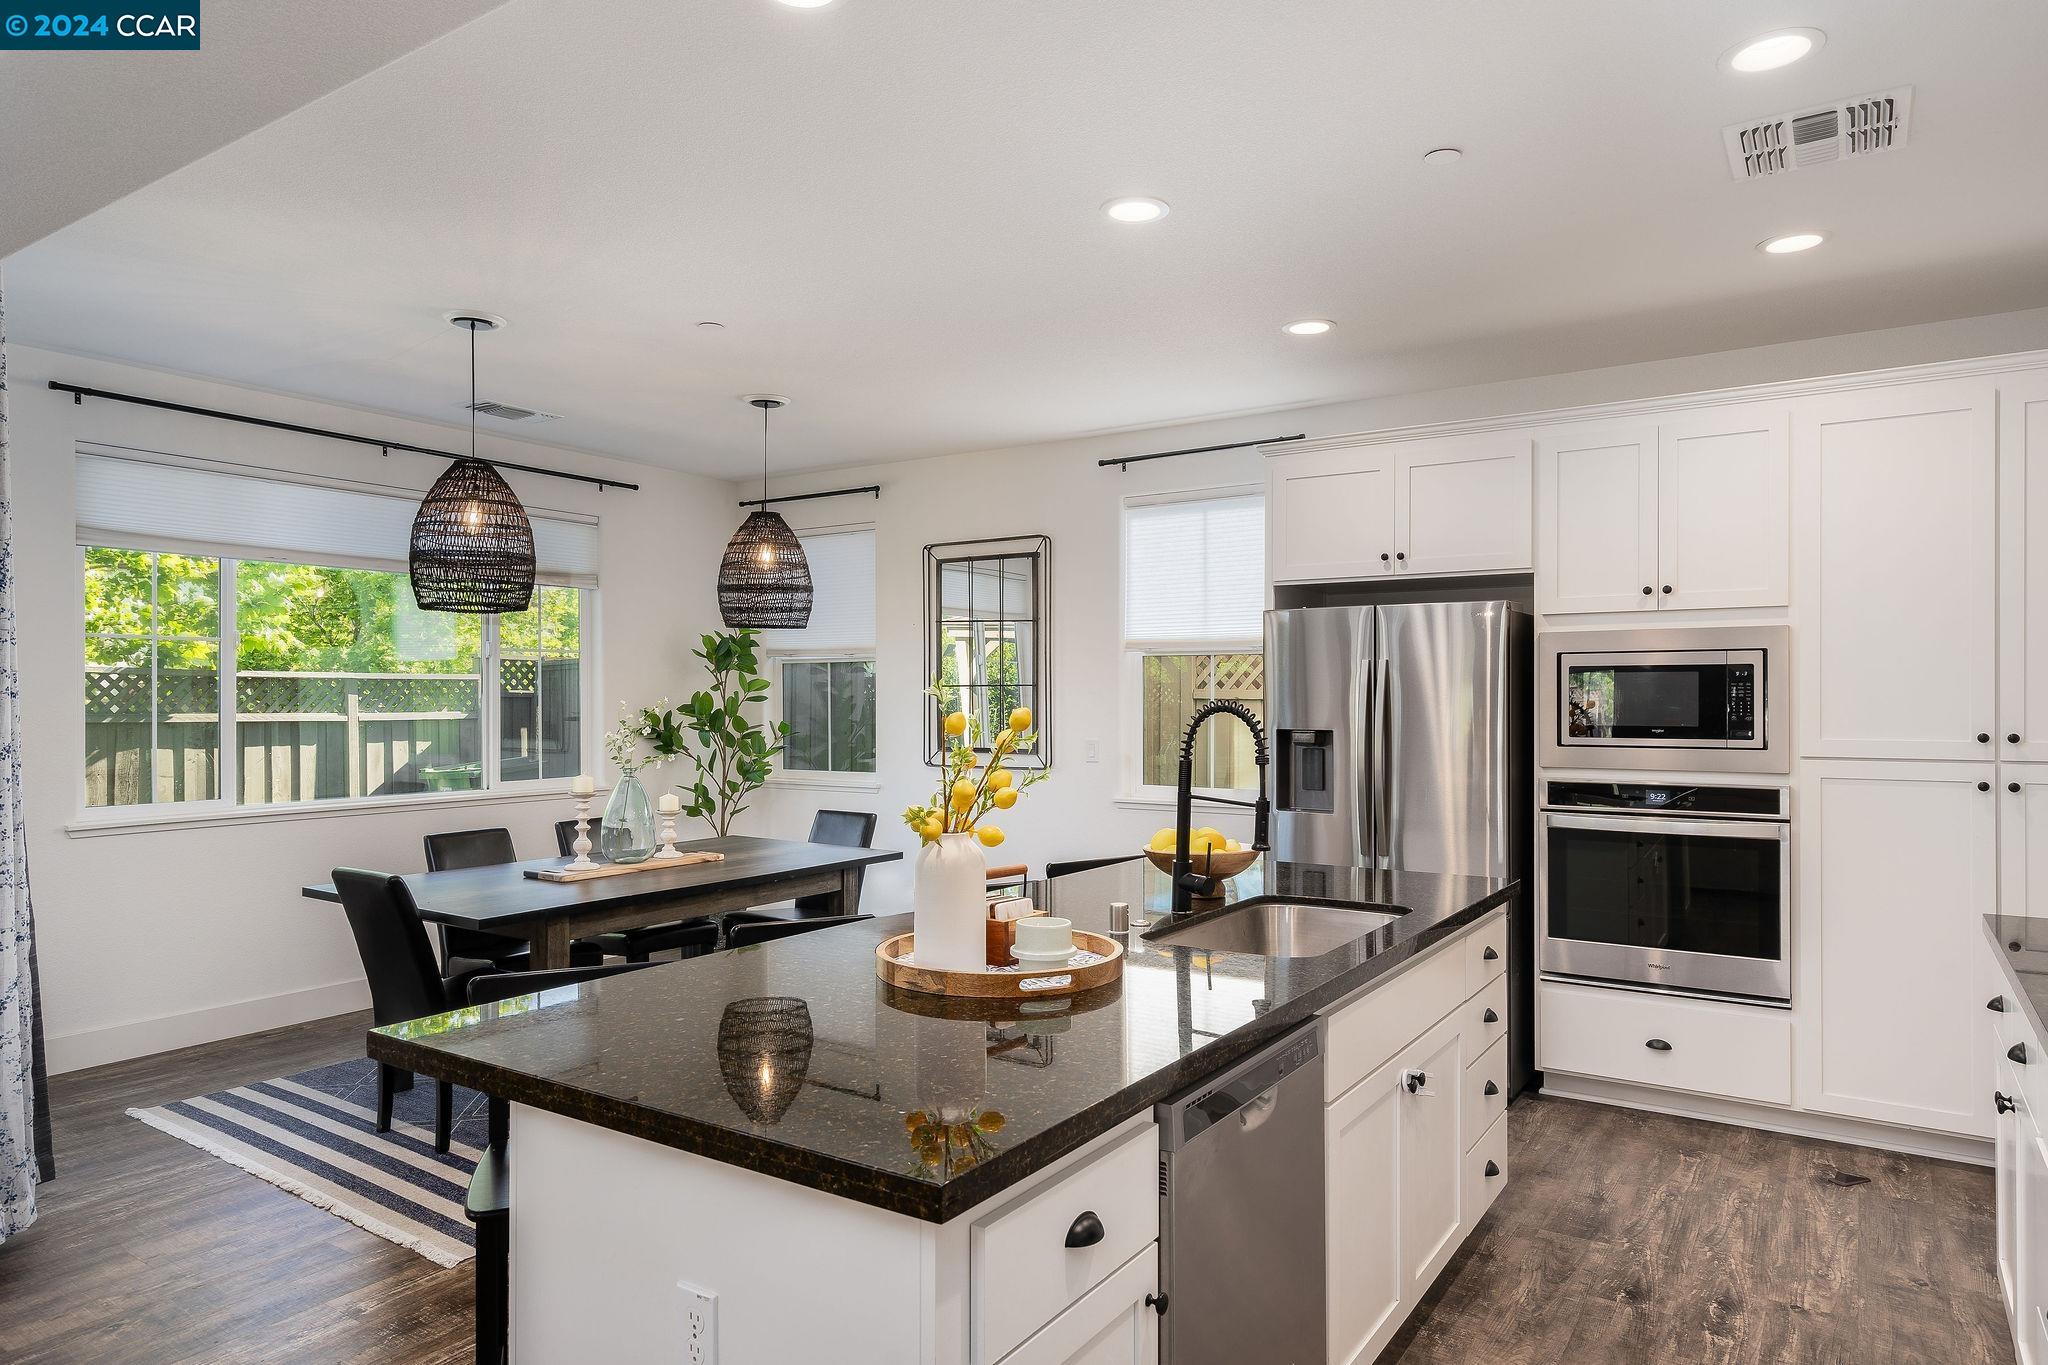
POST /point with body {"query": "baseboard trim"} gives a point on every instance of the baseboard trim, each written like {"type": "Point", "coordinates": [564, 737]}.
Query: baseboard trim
{"type": "Point", "coordinates": [1798, 1123]}
{"type": "Point", "coordinates": [145, 1037]}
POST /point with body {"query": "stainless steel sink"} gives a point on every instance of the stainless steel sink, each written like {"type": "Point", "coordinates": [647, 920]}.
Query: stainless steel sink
{"type": "Point", "coordinates": [1277, 929]}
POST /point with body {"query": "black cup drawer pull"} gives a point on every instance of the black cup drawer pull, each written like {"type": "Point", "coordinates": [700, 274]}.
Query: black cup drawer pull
{"type": "Point", "coordinates": [2018, 1053]}
{"type": "Point", "coordinates": [1658, 1045]}
{"type": "Point", "coordinates": [1087, 1230]}
{"type": "Point", "coordinates": [1492, 1169]}
{"type": "Point", "coordinates": [1490, 955]}
{"type": "Point", "coordinates": [1492, 1089]}
{"type": "Point", "coordinates": [1489, 1017]}
{"type": "Point", "coordinates": [1996, 1004]}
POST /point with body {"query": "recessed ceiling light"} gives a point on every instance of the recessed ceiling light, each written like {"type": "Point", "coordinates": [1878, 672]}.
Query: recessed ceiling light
{"type": "Point", "coordinates": [1136, 209]}
{"type": "Point", "coordinates": [807, 4]}
{"type": "Point", "coordinates": [1773, 50]}
{"type": "Point", "coordinates": [1308, 327]}
{"type": "Point", "coordinates": [1443, 156]}
{"type": "Point", "coordinates": [712, 326]}
{"type": "Point", "coordinates": [1791, 242]}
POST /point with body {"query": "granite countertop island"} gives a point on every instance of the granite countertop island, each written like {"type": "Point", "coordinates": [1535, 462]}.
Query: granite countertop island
{"type": "Point", "coordinates": [793, 1060]}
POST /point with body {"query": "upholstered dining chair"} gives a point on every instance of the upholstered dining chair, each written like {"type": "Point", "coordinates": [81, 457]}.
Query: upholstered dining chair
{"type": "Point", "coordinates": [746, 935]}
{"type": "Point", "coordinates": [405, 981]}
{"type": "Point", "coordinates": [467, 951]}
{"type": "Point", "coordinates": [690, 937]}
{"type": "Point", "coordinates": [841, 828]}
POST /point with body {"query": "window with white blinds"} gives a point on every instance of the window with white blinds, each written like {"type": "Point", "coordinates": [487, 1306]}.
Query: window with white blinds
{"type": "Point", "coordinates": [842, 596]}
{"type": "Point", "coordinates": [157, 505]}
{"type": "Point", "coordinates": [1195, 571]}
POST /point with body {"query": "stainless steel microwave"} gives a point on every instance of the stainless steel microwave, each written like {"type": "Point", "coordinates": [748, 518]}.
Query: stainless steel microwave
{"type": "Point", "coordinates": [1708, 698]}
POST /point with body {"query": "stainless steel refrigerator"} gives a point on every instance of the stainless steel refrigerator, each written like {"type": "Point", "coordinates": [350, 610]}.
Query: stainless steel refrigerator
{"type": "Point", "coordinates": [1402, 739]}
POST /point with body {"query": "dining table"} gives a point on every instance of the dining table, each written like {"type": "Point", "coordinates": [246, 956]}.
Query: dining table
{"type": "Point", "coordinates": [501, 898]}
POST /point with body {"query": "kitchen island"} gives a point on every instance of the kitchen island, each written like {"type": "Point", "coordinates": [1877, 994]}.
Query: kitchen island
{"type": "Point", "coordinates": [856, 1173]}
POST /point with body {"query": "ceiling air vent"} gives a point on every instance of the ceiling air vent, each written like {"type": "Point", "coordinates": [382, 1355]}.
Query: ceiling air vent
{"type": "Point", "coordinates": [1813, 137]}
{"type": "Point", "coordinates": [505, 412]}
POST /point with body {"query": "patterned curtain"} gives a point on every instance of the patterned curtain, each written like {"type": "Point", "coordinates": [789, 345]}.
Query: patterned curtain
{"type": "Point", "coordinates": [25, 1156]}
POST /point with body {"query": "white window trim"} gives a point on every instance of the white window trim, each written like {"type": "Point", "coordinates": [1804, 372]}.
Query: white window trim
{"type": "Point", "coordinates": [829, 779]}
{"type": "Point", "coordinates": [93, 821]}
{"type": "Point", "coordinates": [1136, 794]}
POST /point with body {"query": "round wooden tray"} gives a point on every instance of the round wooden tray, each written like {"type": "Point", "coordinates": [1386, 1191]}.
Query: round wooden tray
{"type": "Point", "coordinates": [1000, 984]}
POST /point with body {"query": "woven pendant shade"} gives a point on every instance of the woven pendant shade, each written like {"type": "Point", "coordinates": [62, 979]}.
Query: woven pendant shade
{"type": "Point", "coordinates": [764, 582]}
{"type": "Point", "coordinates": [472, 546]}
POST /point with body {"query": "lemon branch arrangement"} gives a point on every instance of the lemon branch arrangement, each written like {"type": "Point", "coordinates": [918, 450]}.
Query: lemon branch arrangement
{"type": "Point", "coordinates": [969, 788]}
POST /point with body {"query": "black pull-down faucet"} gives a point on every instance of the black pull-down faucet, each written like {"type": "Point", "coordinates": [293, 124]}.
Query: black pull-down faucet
{"type": "Point", "coordinates": [1187, 883]}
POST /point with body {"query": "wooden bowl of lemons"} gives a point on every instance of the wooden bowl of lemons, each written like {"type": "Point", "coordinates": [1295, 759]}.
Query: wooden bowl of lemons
{"type": "Point", "coordinates": [1210, 853]}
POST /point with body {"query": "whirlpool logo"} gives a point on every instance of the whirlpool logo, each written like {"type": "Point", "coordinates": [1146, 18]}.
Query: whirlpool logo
{"type": "Point", "coordinates": [44, 27]}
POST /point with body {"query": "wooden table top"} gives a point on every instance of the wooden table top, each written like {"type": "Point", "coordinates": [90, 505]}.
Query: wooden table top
{"type": "Point", "coordinates": [501, 894]}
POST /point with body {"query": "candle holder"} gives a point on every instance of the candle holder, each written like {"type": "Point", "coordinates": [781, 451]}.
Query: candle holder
{"type": "Point", "coordinates": [668, 847]}
{"type": "Point", "coordinates": [582, 844]}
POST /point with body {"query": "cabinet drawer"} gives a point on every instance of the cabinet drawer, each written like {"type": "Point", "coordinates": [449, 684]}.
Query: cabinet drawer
{"type": "Point", "coordinates": [1482, 1108]}
{"type": "Point", "coordinates": [1486, 1019]}
{"type": "Point", "coordinates": [1023, 1272]}
{"type": "Point", "coordinates": [1365, 1033]}
{"type": "Point", "coordinates": [1485, 1172]}
{"type": "Point", "coordinates": [1486, 950]}
{"type": "Point", "coordinates": [1111, 1323]}
{"type": "Point", "coordinates": [1716, 1049]}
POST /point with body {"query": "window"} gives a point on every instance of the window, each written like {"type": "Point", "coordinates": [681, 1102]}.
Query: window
{"type": "Point", "coordinates": [1194, 603]}
{"type": "Point", "coordinates": [986, 603]}
{"type": "Point", "coordinates": [323, 678]}
{"type": "Point", "coordinates": [824, 675]}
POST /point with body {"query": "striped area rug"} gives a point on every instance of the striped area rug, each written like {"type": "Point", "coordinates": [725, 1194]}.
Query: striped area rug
{"type": "Point", "coordinates": [313, 1135]}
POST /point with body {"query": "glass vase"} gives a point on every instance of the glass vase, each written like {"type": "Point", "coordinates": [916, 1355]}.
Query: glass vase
{"type": "Point", "coordinates": [627, 832]}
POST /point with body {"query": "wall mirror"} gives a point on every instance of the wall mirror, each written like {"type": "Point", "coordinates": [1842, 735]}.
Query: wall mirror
{"type": "Point", "coordinates": [986, 608]}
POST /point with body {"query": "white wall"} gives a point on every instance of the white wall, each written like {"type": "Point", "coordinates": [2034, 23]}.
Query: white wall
{"type": "Point", "coordinates": [1056, 488]}
{"type": "Point", "coordinates": [159, 938]}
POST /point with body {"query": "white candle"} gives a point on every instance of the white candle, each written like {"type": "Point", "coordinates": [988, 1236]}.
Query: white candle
{"type": "Point", "coordinates": [582, 785]}
{"type": "Point", "coordinates": [670, 804]}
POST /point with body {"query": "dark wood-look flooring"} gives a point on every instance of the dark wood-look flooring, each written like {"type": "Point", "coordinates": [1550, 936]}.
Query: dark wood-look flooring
{"type": "Point", "coordinates": [148, 1250]}
{"type": "Point", "coordinates": [1622, 1239]}
{"type": "Point", "coordinates": [1626, 1238]}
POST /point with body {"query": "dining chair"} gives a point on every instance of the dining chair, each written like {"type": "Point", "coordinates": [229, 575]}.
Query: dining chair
{"type": "Point", "coordinates": [467, 951]}
{"type": "Point", "coordinates": [487, 1204]}
{"type": "Point", "coordinates": [840, 828]}
{"type": "Point", "coordinates": [690, 937]}
{"type": "Point", "coordinates": [1087, 864]}
{"type": "Point", "coordinates": [405, 981]}
{"type": "Point", "coordinates": [746, 935]}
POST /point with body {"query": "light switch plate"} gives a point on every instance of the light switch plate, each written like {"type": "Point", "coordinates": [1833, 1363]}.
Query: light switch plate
{"type": "Point", "coordinates": [700, 1324]}
{"type": "Point", "coordinates": [1094, 751]}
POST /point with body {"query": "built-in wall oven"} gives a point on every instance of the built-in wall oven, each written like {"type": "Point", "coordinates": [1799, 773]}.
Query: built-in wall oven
{"type": "Point", "coordinates": [1671, 885]}
{"type": "Point", "coordinates": [1707, 698]}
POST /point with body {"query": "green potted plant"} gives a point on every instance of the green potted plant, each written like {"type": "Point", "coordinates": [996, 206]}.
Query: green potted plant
{"type": "Point", "coordinates": [732, 752]}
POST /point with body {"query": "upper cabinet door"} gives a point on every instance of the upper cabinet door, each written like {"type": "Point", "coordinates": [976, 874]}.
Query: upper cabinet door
{"type": "Point", "coordinates": [1896, 502]}
{"type": "Point", "coordinates": [1330, 514]}
{"type": "Point", "coordinates": [1461, 505]}
{"type": "Point", "coordinates": [2023, 565]}
{"type": "Point", "coordinates": [1596, 521]}
{"type": "Point", "coordinates": [1724, 493]}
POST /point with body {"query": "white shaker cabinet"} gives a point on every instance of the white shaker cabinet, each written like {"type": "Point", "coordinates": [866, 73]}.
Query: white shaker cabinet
{"type": "Point", "coordinates": [1449, 505]}
{"type": "Point", "coordinates": [1899, 857]}
{"type": "Point", "coordinates": [1362, 1138]}
{"type": "Point", "coordinates": [1596, 521]}
{"type": "Point", "coordinates": [2023, 565]}
{"type": "Point", "coordinates": [2023, 840]}
{"type": "Point", "coordinates": [1113, 1324]}
{"type": "Point", "coordinates": [1896, 564]}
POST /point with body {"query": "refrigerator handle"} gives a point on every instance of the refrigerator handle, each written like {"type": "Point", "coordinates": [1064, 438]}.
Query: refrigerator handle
{"type": "Point", "coordinates": [1365, 732]}
{"type": "Point", "coordinates": [1382, 767]}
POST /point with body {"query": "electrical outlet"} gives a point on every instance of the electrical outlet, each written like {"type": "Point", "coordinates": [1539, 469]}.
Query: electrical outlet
{"type": "Point", "coordinates": [700, 1324]}
{"type": "Point", "coordinates": [1094, 751]}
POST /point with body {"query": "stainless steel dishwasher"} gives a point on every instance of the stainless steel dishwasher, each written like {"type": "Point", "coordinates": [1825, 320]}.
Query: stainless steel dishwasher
{"type": "Point", "coordinates": [1241, 1212]}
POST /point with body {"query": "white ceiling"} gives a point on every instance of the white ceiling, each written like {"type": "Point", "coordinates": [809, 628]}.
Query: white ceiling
{"type": "Point", "coordinates": [893, 205]}
{"type": "Point", "coordinates": [85, 128]}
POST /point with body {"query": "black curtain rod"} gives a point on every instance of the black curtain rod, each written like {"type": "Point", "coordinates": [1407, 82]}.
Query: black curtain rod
{"type": "Point", "coordinates": [1122, 460]}
{"type": "Point", "coordinates": [79, 394]}
{"type": "Point", "coordinates": [873, 488]}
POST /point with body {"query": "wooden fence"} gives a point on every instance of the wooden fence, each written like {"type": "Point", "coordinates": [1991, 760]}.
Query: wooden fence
{"type": "Point", "coordinates": [1174, 690]}
{"type": "Point", "coordinates": [316, 736]}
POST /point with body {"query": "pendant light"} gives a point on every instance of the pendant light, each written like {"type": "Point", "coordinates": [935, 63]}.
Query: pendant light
{"type": "Point", "coordinates": [764, 582]}
{"type": "Point", "coordinates": [472, 546]}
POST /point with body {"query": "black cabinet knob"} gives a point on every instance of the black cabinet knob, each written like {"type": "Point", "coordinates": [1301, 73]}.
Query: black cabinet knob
{"type": "Point", "coordinates": [1400, 554]}
{"type": "Point", "coordinates": [1157, 1303]}
{"type": "Point", "coordinates": [2018, 1053]}
{"type": "Point", "coordinates": [1492, 1089]}
{"type": "Point", "coordinates": [1996, 1004]}
{"type": "Point", "coordinates": [1983, 738]}
{"type": "Point", "coordinates": [1086, 1231]}
{"type": "Point", "coordinates": [1490, 955]}
{"type": "Point", "coordinates": [1658, 1045]}
{"type": "Point", "coordinates": [1492, 1169]}
{"type": "Point", "coordinates": [1384, 556]}
{"type": "Point", "coordinates": [2004, 1102]}
{"type": "Point", "coordinates": [1415, 1080]}
{"type": "Point", "coordinates": [2012, 739]}
{"type": "Point", "coordinates": [1667, 588]}
{"type": "Point", "coordinates": [2012, 786]}
{"type": "Point", "coordinates": [1489, 1017]}
{"type": "Point", "coordinates": [1983, 786]}
{"type": "Point", "coordinates": [1646, 589]}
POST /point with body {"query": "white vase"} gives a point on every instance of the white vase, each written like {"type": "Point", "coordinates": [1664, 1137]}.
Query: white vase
{"type": "Point", "coordinates": [950, 904]}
